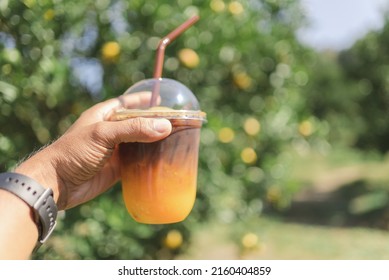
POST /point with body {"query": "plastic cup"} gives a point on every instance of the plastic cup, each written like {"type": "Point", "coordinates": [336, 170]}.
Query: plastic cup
{"type": "Point", "coordinates": [159, 179]}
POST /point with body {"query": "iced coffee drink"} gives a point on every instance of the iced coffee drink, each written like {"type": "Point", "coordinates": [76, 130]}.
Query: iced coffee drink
{"type": "Point", "coordinates": [159, 179]}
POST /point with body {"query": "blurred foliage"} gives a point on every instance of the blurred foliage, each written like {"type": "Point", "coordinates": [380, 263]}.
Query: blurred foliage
{"type": "Point", "coordinates": [366, 64]}
{"type": "Point", "coordinates": [264, 94]}
{"type": "Point", "coordinates": [350, 89]}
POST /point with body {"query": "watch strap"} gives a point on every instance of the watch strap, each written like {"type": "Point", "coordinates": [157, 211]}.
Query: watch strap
{"type": "Point", "coordinates": [37, 197]}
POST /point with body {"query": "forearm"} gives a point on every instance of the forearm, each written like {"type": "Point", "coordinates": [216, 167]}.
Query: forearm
{"type": "Point", "coordinates": [18, 232]}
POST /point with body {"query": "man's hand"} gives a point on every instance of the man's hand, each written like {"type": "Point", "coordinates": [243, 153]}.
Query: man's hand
{"type": "Point", "coordinates": [84, 163]}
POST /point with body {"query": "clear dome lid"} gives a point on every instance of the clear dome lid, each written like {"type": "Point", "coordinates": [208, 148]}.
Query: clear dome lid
{"type": "Point", "coordinates": [172, 93]}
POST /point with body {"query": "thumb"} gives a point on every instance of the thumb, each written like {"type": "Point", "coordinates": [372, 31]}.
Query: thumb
{"type": "Point", "coordinates": [133, 130]}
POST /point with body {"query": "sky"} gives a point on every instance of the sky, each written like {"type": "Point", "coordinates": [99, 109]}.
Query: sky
{"type": "Point", "coordinates": [337, 24]}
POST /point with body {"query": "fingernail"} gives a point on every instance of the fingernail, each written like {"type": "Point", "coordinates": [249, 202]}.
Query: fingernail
{"type": "Point", "coordinates": [162, 125]}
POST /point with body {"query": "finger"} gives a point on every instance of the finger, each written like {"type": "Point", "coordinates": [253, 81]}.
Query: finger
{"type": "Point", "coordinates": [125, 101]}
{"type": "Point", "coordinates": [139, 100]}
{"type": "Point", "coordinates": [132, 130]}
{"type": "Point", "coordinates": [103, 110]}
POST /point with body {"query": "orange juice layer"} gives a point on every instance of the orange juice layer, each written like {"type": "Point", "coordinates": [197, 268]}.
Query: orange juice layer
{"type": "Point", "coordinates": [168, 201]}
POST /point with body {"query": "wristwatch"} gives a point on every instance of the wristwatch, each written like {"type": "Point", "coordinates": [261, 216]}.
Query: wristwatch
{"type": "Point", "coordinates": [37, 197]}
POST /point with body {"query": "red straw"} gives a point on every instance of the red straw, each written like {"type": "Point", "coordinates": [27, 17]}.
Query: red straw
{"type": "Point", "coordinates": [165, 41]}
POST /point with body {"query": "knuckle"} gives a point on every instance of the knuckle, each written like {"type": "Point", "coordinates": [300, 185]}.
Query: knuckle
{"type": "Point", "coordinates": [98, 130]}
{"type": "Point", "coordinates": [139, 126]}
{"type": "Point", "coordinates": [99, 134]}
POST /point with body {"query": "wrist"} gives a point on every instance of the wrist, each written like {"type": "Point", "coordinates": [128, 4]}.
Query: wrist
{"type": "Point", "coordinates": [40, 168]}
